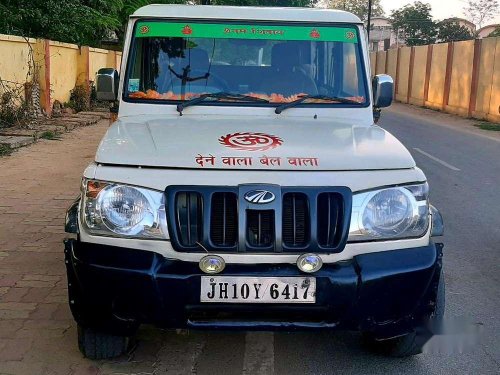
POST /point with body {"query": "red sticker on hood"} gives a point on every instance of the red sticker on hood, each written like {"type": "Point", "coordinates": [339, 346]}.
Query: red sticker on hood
{"type": "Point", "coordinates": [251, 141]}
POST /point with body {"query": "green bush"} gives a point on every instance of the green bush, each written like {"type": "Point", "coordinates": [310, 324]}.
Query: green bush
{"type": "Point", "coordinates": [79, 98]}
{"type": "Point", "coordinates": [50, 135]}
{"type": "Point", "coordinates": [4, 150]}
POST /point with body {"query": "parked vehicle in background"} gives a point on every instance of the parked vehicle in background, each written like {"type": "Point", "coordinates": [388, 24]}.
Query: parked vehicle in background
{"type": "Point", "coordinates": [245, 186]}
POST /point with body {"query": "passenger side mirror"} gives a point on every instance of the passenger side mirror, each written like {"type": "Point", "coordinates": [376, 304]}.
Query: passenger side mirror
{"type": "Point", "coordinates": [382, 90]}
{"type": "Point", "coordinates": [107, 80]}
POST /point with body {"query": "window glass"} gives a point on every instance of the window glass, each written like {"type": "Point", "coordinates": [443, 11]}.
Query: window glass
{"type": "Point", "coordinates": [278, 63]}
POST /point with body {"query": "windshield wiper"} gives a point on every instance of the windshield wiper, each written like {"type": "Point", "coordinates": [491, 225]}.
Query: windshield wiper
{"type": "Point", "coordinates": [218, 95]}
{"type": "Point", "coordinates": [282, 107]}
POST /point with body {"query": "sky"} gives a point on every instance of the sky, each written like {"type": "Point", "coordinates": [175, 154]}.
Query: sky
{"type": "Point", "coordinates": [441, 9]}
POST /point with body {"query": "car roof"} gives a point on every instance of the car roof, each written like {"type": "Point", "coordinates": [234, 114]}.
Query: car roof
{"type": "Point", "coordinates": [246, 13]}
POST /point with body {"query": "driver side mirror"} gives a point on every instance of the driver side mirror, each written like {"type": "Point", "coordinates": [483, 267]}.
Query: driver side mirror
{"type": "Point", "coordinates": [383, 87]}
{"type": "Point", "coordinates": [107, 80]}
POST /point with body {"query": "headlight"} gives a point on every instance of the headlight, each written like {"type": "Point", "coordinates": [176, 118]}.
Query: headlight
{"type": "Point", "coordinates": [392, 213]}
{"type": "Point", "coordinates": [123, 210]}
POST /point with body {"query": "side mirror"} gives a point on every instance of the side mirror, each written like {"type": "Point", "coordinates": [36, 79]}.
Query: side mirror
{"type": "Point", "coordinates": [382, 90]}
{"type": "Point", "coordinates": [107, 80]}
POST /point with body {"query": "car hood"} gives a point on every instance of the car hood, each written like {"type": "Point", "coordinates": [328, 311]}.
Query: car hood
{"type": "Point", "coordinates": [278, 143]}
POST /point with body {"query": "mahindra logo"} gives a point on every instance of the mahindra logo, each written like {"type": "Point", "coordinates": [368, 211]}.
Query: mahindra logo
{"type": "Point", "coordinates": [259, 196]}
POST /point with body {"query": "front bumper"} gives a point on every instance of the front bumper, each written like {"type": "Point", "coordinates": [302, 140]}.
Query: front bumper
{"type": "Point", "coordinates": [386, 293]}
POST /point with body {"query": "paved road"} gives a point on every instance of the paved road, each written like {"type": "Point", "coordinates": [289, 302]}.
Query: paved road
{"type": "Point", "coordinates": [463, 169]}
{"type": "Point", "coordinates": [38, 336]}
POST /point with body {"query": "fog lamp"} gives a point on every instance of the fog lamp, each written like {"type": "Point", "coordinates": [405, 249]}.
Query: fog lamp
{"type": "Point", "coordinates": [309, 263]}
{"type": "Point", "coordinates": [212, 264]}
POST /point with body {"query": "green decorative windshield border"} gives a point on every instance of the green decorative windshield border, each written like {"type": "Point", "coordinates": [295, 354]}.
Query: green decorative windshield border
{"type": "Point", "coordinates": [241, 31]}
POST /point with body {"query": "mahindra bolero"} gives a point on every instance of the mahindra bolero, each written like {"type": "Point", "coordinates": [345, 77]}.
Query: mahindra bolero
{"type": "Point", "coordinates": [245, 185]}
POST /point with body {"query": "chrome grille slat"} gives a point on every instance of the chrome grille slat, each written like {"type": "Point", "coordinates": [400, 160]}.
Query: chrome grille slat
{"type": "Point", "coordinates": [188, 211]}
{"type": "Point", "coordinates": [260, 228]}
{"type": "Point", "coordinates": [329, 225]}
{"type": "Point", "coordinates": [224, 219]}
{"type": "Point", "coordinates": [224, 211]}
{"type": "Point", "coordinates": [296, 220]}
{"type": "Point", "coordinates": [188, 216]}
{"type": "Point", "coordinates": [329, 209]}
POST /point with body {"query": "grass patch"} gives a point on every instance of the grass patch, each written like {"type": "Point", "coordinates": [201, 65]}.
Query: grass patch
{"type": "Point", "coordinates": [50, 135]}
{"type": "Point", "coordinates": [488, 126]}
{"type": "Point", "coordinates": [5, 150]}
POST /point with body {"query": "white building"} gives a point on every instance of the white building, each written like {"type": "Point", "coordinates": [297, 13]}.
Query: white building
{"type": "Point", "coordinates": [485, 31]}
{"type": "Point", "coordinates": [382, 35]}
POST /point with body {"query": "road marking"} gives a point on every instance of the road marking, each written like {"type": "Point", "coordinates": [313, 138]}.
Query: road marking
{"type": "Point", "coordinates": [259, 353]}
{"type": "Point", "coordinates": [436, 159]}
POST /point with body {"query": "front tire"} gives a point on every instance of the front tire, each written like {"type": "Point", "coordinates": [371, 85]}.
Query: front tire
{"type": "Point", "coordinates": [412, 343]}
{"type": "Point", "coordinates": [99, 345]}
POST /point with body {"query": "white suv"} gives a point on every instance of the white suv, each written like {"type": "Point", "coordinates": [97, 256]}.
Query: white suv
{"type": "Point", "coordinates": [245, 185]}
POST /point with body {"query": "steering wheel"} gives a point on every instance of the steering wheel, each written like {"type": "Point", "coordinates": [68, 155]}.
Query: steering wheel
{"type": "Point", "coordinates": [213, 80]}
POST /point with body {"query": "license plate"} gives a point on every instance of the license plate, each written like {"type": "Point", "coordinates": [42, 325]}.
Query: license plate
{"type": "Point", "coordinates": [229, 289]}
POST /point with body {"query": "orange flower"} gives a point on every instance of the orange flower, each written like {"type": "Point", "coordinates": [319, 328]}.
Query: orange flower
{"type": "Point", "coordinates": [277, 98]}
{"type": "Point", "coordinates": [169, 95]}
{"type": "Point", "coordinates": [137, 95]}
{"type": "Point", "coordinates": [359, 99]}
{"type": "Point", "coordinates": [152, 94]}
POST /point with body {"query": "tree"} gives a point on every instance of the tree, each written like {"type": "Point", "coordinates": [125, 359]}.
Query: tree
{"type": "Point", "coordinates": [88, 22]}
{"type": "Point", "coordinates": [480, 11]}
{"type": "Point", "coordinates": [74, 21]}
{"type": "Point", "coordinates": [130, 6]}
{"type": "Point", "coordinates": [450, 31]}
{"type": "Point", "coordinates": [358, 7]}
{"type": "Point", "coordinates": [416, 24]}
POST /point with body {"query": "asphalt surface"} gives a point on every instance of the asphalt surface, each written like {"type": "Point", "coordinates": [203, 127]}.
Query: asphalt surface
{"type": "Point", "coordinates": [463, 168]}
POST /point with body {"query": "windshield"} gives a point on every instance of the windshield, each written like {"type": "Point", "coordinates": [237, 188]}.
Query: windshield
{"type": "Point", "coordinates": [173, 61]}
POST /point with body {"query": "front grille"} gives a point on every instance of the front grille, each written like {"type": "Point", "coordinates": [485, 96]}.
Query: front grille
{"type": "Point", "coordinates": [224, 219]}
{"type": "Point", "coordinates": [295, 220]}
{"type": "Point", "coordinates": [260, 228]}
{"type": "Point", "coordinates": [189, 210]}
{"type": "Point", "coordinates": [219, 219]}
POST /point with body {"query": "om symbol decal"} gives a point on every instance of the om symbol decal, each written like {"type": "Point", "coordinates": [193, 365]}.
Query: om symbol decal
{"type": "Point", "coordinates": [250, 141]}
{"type": "Point", "coordinates": [144, 29]}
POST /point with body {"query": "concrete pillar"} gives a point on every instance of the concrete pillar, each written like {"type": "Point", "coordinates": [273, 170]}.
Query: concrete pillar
{"type": "Point", "coordinates": [447, 78]}
{"type": "Point", "coordinates": [83, 67]}
{"type": "Point", "coordinates": [475, 77]}
{"type": "Point", "coordinates": [117, 61]}
{"type": "Point", "coordinates": [428, 72]}
{"type": "Point", "coordinates": [396, 85]}
{"type": "Point", "coordinates": [111, 59]}
{"type": "Point", "coordinates": [373, 63]}
{"type": "Point", "coordinates": [42, 59]}
{"type": "Point", "coordinates": [410, 74]}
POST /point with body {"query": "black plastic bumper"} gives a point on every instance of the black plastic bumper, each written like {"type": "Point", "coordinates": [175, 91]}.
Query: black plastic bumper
{"type": "Point", "coordinates": [387, 293]}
